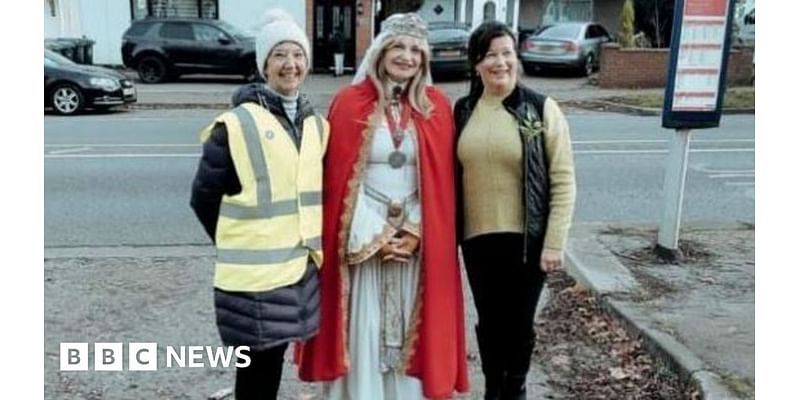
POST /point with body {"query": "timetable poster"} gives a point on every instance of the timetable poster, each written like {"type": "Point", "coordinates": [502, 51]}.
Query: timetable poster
{"type": "Point", "coordinates": [700, 55]}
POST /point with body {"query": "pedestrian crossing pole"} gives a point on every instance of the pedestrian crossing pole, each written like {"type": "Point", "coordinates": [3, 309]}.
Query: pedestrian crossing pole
{"type": "Point", "coordinates": [674, 183]}
{"type": "Point", "coordinates": [698, 63]}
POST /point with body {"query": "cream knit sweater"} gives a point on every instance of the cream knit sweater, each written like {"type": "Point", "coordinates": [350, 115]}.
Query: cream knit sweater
{"type": "Point", "coordinates": [490, 151]}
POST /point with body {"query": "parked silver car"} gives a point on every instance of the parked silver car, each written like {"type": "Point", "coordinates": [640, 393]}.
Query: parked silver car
{"type": "Point", "coordinates": [572, 45]}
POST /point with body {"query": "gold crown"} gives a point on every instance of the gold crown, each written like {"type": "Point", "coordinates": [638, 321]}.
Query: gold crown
{"type": "Point", "coordinates": [405, 24]}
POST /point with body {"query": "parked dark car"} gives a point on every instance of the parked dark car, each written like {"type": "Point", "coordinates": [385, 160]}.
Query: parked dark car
{"type": "Point", "coordinates": [70, 87]}
{"type": "Point", "coordinates": [448, 42]}
{"type": "Point", "coordinates": [162, 49]}
{"type": "Point", "coordinates": [573, 45]}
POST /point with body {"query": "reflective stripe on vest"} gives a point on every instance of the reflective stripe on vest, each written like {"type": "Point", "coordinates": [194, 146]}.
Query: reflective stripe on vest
{"type": "Point", "coordinates": [267, 232]}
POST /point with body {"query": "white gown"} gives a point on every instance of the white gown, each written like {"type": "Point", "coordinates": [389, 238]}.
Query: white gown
{"type": "Point", "coordinates": [382, 295]}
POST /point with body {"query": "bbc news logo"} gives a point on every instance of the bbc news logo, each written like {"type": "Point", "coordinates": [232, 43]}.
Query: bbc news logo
{"type": "Point", "coordinates": [144, 356]}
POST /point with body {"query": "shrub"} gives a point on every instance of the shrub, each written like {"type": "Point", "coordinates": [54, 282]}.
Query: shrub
{"type": "Point", "coordinates": [626, 25]}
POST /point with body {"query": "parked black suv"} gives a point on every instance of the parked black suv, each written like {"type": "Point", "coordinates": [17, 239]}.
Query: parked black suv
{"type": "Point", "coordinates": [161, 49]}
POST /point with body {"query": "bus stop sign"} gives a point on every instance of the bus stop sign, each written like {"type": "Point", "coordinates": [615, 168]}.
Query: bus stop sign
{"type": "Point", "coordinates": [698, 63]}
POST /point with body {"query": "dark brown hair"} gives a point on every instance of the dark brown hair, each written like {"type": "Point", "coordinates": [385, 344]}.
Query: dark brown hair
{"type": "Point", "coordinates": [479, 43]}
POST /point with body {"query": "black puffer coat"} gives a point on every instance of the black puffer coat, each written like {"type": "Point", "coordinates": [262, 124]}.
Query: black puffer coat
{"type": "Point", "coordinates": [257, 319]}
{"type": "Point", "coordinates": [522, 103]}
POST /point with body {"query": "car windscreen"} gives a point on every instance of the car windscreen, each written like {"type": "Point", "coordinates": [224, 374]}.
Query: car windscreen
{"type": "Point", "coordinates": [56, 58]}
{"type": "Point", "coordinates": [441, 35]}
{"type": "Point", "coordinates": [560, 32]}
{"type": "Point", "coordinates": [236, 32]}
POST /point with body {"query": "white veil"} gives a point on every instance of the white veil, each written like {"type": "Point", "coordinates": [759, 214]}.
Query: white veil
{"type": "Point", "coordinates": [375, 48]}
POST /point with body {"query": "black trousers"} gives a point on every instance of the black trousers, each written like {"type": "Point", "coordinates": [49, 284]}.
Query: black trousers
{"type": "Point", "coordinates": [506, 292]}
{"type": "Point", "coordinates": [261, 379]}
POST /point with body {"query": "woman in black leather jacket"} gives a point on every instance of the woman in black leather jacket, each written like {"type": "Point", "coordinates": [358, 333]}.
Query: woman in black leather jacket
{"type": "Point", "coordinates": [516, 193]}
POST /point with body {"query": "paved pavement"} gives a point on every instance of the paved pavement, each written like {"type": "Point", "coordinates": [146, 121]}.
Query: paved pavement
{"type": "Point", "coordinates": [163, 295]}
{"type": "Point", "coordinates": [698, 316]}
{"type": "Point", "coordinates": [216, 91]}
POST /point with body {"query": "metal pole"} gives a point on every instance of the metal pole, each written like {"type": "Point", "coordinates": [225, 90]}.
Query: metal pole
{"type": "Point", "coordinates": [674, 183]}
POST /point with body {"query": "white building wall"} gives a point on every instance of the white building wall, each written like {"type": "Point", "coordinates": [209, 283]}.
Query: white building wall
{"type": "Point", "coordinates": [247, 14]}
{"type": "Point", "coordinates": [66, 22]}
{"type": "Point", "coordinates": [448, 8]}
{"type": "Point", "coordinates": [51, 25]}
{"type": "Point", "coordinates": [104, 21]}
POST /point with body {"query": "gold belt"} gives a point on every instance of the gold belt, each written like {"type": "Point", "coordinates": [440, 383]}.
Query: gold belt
{"type": "Point", "coordinates": [396, 209]}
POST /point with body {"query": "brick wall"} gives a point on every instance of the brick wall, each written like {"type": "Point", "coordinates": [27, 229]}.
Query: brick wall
{"type": "Point", "coordinates": [647, 68]}
{"type": "Point", "coordinates": [363, 29]}
{"type": "Point", "coordinates": [310, 27]}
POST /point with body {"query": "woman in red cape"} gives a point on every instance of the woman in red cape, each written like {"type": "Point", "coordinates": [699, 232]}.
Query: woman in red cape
{"type": "Point", "coordinates": [392, 316]}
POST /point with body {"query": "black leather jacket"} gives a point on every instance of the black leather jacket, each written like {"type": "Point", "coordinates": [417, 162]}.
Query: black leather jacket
{"type": "Point", "coordinates": [526, 106]}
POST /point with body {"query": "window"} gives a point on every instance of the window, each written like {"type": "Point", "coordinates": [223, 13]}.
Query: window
{"type": "Point", "coordinates": [567, 11]}
{"type": "Point", "coordinates": [231, 30]}
{"type": "Point", "coordinates": [489, 10]}
{"type": "Point", "coordinates": [750, 18]}
{"type": "Point", "coordinates": [320, 22]}
{"type": "Point", "coordinates": [56, 58]}
{"type": "Point", "coordinates": [139, 30]}
{"type": "Point", "coordinates": [208, 33]}
{"type": "Point", "coordinates": [602, 32]}
{"type": "Point", "coordinates": [568, 32]}
{"type": "Point", "coordinates": [207, 9]}
{"type": "Point", "coordinates": [177, 30]}
{"type": "Point", "coordinates": [348, 26]}
{"type": "Point", "coordinates": [596, 32]}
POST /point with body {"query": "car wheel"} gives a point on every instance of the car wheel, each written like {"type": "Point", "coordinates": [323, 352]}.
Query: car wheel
{"type": "Point", "coordinates": [588, 65]}
{"type": "Point", "coordinates": [152, 69]}
{"type": "Point", "coordinates": [66, 99]}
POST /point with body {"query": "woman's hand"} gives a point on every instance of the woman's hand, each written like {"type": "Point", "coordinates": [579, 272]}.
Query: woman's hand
{"type": "Point", "coordinates": [400, 248]}
{"type": "Point", "coordinates": [550, 261]}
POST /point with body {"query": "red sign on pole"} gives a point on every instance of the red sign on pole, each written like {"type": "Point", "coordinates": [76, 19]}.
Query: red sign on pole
{"type": "Point", "coordinates": [705, 8]}
{"type": "Point", "coordinates": [700, 54]}
{"type": "Point", "coordinates": [697, 64]}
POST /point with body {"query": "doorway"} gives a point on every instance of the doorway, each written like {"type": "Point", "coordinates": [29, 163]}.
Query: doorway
{"type": "Point", "coordinates": [331, 16]}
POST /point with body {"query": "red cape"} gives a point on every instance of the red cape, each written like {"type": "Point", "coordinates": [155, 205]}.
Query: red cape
{"type": "Point", "coordinates": [438, 353]}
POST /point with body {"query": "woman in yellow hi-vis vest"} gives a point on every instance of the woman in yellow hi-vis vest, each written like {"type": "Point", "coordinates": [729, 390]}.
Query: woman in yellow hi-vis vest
{"type": "Point", "coordinates": [257, 193]}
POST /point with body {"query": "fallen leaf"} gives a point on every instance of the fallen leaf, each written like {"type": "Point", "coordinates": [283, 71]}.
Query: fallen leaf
{"type": "Point", "coordinates": [618, 373]}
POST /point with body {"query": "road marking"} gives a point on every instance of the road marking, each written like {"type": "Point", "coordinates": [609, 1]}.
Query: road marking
{"type": "Point", "coordinates": [740, 183]}
{"type": "Point", "coordinates": [168, 155]}
{"type": "Point", "coordinates": [702, 168]}
{"type": "Point", "coordinates": [577, 152]}
{"type": "Point", "coordinates": [723, 140]}
{"type": "Point", "coordinates": [725, 176]}
{"type": "Point", "coordinates": [577, 142]}
{"type": "Point", "coordinates": [186, 155]}
{"type": "Point", "coordinates": [70, 150]}
{"type": "Point", "coordinates": [127, 145]}
{"type": "Point", "coordinates": [201, 115]}
{"type": "Point", "coordinates": [614, 152]}
{"type": "Point", "coordinates": [632, 141]}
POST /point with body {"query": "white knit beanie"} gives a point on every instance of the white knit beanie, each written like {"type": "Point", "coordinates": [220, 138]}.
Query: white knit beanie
{"type": "Point", "coordinates": [278, 26]}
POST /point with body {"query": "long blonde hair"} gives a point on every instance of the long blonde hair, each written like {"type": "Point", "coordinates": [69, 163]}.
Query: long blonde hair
{"type": "Point", "coordinates": [417, 97]}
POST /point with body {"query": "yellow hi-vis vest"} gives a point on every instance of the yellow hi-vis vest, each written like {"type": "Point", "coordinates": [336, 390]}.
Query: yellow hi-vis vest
{"type": "Point", "coordinates": [266, 233]}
